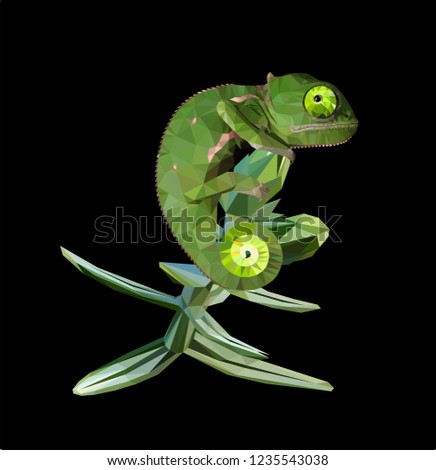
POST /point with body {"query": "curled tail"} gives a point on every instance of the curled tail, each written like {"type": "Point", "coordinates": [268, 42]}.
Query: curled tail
{"type": "Point", "coordinates": [245, 257]}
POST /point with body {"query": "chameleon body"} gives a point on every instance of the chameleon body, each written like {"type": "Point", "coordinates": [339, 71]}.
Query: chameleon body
{"type": "Point", "coordinates": [229, 147]}
{"type": "Point", "coordinates": [195, 167]}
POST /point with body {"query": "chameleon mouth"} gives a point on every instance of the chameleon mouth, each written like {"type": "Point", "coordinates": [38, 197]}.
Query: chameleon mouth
{"type": "Point", "coordinates": [319, 126]}
{"type": "Point", "coordinates": [352, 126]}
{"type": "Point", "coordinates": [321, 145]}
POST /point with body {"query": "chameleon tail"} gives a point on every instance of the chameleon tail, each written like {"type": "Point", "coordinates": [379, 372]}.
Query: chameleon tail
{"type": "Point", "coordinates": [247, 256]}
{"type": "Point", "coordinates": [244, 256]}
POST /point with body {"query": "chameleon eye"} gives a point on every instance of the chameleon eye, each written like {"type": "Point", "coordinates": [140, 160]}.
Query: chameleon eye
{"type": "Point", "coordinates": [320, 102]}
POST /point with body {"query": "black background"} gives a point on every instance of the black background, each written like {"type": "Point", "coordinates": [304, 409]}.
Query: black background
{"type": "Point", "coordinates": [87, 93]}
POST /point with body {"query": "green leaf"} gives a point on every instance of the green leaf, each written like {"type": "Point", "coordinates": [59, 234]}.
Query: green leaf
{"type": "Point", "coordinates": [121, 284]}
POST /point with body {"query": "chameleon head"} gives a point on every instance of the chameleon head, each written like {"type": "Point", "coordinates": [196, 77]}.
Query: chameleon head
{"type": "Point", "coordinates": [305, 112]}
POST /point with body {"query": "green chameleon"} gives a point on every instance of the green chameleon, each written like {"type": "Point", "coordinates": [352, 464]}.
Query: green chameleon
{"type": "Point", "coordinates": [229, 149]}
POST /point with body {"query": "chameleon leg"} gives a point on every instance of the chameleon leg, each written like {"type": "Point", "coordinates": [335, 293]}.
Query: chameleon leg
{"type": "Point", "coordinates": [269, 169]}
{"type": "Point", "coordinates": [236, 117]}
{"type": "Point", "coordinates": [299, 236]}
{"type": "Point", "coordinates": [230, 362]}
{"type": "Point", "coordinates": [230, 181]}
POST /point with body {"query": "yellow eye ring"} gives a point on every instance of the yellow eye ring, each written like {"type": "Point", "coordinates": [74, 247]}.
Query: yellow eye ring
{"type": "Point", "coordinates": [320, 102]}
{"type": "Point", "coordinates": [246, 252]}
{"type": "Point", "coordinates": [246, 255]}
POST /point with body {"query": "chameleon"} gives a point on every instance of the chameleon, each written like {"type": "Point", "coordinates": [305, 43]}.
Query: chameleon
{"type": "Point", "coordinates": [228, 149]}
{"type": "Point", "coordinates": [196, 167]}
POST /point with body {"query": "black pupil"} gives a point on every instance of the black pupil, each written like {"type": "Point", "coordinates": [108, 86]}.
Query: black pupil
{"type": "Point", "coordinates": [247, 254]}
{"type": "Point", "coordinates": [317, 98]}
